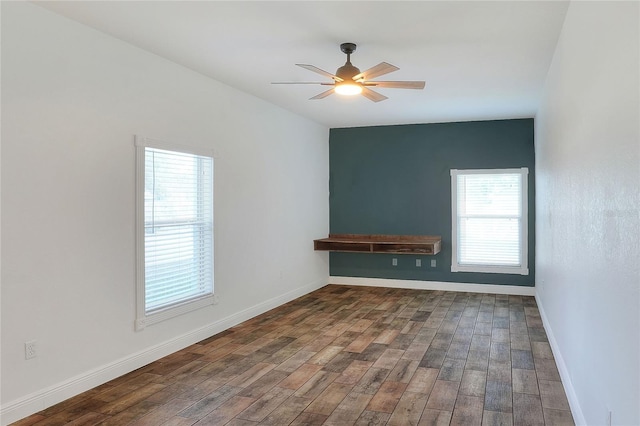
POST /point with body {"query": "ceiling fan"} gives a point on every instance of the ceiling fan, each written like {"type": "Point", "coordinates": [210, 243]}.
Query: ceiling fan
{"type": "Point", "coordinates": [348, 80]}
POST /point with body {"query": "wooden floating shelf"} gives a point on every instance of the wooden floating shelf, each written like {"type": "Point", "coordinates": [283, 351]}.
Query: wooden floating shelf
{"type": "Point", "coordinates": [398, 244]}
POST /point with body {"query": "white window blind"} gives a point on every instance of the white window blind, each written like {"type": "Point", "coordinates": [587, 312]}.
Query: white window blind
{"type": "Point", "coordinates": [489, 214]}
{"type": "Point", "coordinates": [177, 243]}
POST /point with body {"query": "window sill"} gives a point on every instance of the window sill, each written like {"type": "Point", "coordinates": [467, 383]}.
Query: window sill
{"type": "Point", "coordinates": [174, 311]}
{"type": "Point", "coordinates": [517, 270]}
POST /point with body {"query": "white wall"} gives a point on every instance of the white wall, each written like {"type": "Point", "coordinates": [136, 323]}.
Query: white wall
{"type": "Point", "coordinates": [587, 209]}
{"type": "Point", "coordinates": [72, 101]}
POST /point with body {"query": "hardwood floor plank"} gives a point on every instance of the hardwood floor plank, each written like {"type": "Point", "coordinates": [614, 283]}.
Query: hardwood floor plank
{"type": "Point", "coordinates": [240, 422]}
{"type": "Point", "coordinates": [360, 344]}
{"type": "Point", "coordinates": [408, 410]}
{"type": "Point", "coordinates": [368, 418]}
{"type": "Point", "coordinates": [495, 418]}
{"type": "Point", "coordinates": [527, 410]}
{"type": "Point", "coordinates": [552, 395]}
{"type": "Point", "coordinates": [340, 362]}
{"type": "Point", "coordinates": [325, 355]}
{"type": "Point", "coordinates": [371, 352]}
{"type": "Point", "coordinates": [354, 372]}
{"type": "Point", "coordinates": [349, 410]}
{"type": "Point", "coordinates": [478, 360]}
{"type": "Point", "coordinates": [266, 404]}
{"type": "Point", "coordinates": [431, 417]}
{"type": "Point", "coordinates": [522, 359]}
{"type": "Point", "coordinates": [558, 417]}
{"type": "Point", "coordinates": [498, 397]}
{"type": "Point", "coordinates": [403, 371]}
{"type": "Point", "coordinates": [252, 374]}
{"type": "Point", "coordinates": [300, 376]}
{"type": "Point", "coordinates": [210, 402]}
{"type": "Point", "coordinates": [386, 336]}
{"type": "Point", "coordinates": [473, 383]}
{"type": "Point", "coordinates": [452, 369]}
{"type": "Point", "coordinates": [423, 380]}
{"type": "Point", "coordinates": [309, 419]}
{"type": "Point", "coordinates": [130, 399]}
{"type": "Point", "coordinates": [443, 395]}
{"type": "Point", "coordinates": [433, 358]}
{"type": "Point", "coordinates": [316, 384]}
{"type": "Point", "coordinates": [287, 411]}
{"type": "Point", "coordinates": [500, 351]}
{"type": "Point", "coordinates": [546, 369]}
{"type": "Point", "coordinates": [468, 411]}
{"type": "Point", "coordinates": [162, 413]}
{"type": "Point", "coordinates": [387, 397]}
{"type": "Point", "coordinates": [518, 327]}
{"type": "Point", "coordinates": [541, 350]}
{"type": "Point", "coordinates": [388, 359]}
{"type": "Point", "coordinates": [227, 411]}
{"type": "Point", "coordinates": [29, 421]}
{"type": "Point", "coordinates": [329, 399]}
{"type": "Point", "coordinates": [264, 384]}
{"type": "Point", "coordinates": [129, 415]}
{"type": "Point", "coordinates": [371, 380]}
{"type": "Point", "coordinates": [500, 335]}
{"type": "Point", "coordinates": [345, 355]}
{"type": "Point", "coordinates": [525, 381]}
{"type": "Point", "coordinates": [499, 371]}
{"type": "Point", "coordinates": [520, 341]}
{"type": "Point", "coordinates": [295, 361]}
{"type": "Point", "coordinates": [179, 421]}
{"type": "Point", "coordinates": [464, 332]}
{"type": "Point", "coordinates": [89, 419]}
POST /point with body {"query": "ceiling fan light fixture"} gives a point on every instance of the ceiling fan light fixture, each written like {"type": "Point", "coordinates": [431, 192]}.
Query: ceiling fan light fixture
{"type": "Point", "coordinates": [349, 81]}
{"type": "Point", "coordinates": [348, 88]}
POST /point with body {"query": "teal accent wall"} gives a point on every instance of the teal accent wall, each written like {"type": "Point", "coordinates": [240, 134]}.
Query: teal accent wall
{"type": "Point", "coordinates": [396, 180]}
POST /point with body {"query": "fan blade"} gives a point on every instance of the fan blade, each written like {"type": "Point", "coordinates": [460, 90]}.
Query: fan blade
{"type": "Point", "coordinates": [371, 95]}
{"type": "Point", "coordinates": [319, 71]}
{"type": "Point", "coordinates": [323, 94]}
{"type": "Point", "coordinates": [381, 69]}
{"type": "Point", "coordinates": [396, 84]}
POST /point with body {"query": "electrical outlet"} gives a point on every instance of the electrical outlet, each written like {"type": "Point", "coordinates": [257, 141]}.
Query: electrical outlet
{"type": "Point", "coordinates": [394, 262]}
{"type": "Point", "coordinates": [433, 263]}
{"type": "Point", "coordinates": [418, 263]}
{"type": "Point", "coordinates": [30, 350]}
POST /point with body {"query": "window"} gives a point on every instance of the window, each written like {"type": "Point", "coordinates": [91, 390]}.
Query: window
{"type": "Point", "coordinates": [489, 221]}
{"type": "Point", "coordinates": [174, 231]}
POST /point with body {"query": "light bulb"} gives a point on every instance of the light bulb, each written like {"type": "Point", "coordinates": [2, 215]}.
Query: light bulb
{"type": "Point", "coordinates": [348, 89]}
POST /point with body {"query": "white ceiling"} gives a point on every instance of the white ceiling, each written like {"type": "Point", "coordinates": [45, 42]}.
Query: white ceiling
{"type": "Point", "coordinates": [481, 60]}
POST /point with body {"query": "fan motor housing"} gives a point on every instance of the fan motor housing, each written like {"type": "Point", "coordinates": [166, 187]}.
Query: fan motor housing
{"type": "Point", "coordinates": [347, 71]}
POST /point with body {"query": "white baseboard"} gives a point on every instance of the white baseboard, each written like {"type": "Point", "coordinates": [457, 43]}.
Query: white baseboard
{"type": "Point", "coordinates": [38, 401]}
{"type": "Point", "coordinates": [574, 404]}
{"type": "Point", "coordinates": [435, 285]}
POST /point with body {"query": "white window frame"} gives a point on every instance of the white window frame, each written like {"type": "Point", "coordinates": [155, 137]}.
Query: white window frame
{"type": "Point", "coordinates": [522, 269]}
{"type": "Point", "coordinates": [144, 319]}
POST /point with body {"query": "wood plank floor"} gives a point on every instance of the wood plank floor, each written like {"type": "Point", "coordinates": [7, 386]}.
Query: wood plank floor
{"type": "Point", "coordinates": [347, 355]}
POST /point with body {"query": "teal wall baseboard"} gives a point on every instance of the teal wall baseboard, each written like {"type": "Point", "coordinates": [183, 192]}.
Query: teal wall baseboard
{"type": "Point", "coordinates": [515, 290]}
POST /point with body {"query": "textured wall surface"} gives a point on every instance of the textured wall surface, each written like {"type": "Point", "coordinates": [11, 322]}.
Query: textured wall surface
{"type": "Point", "coordinates": [588, 230]}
